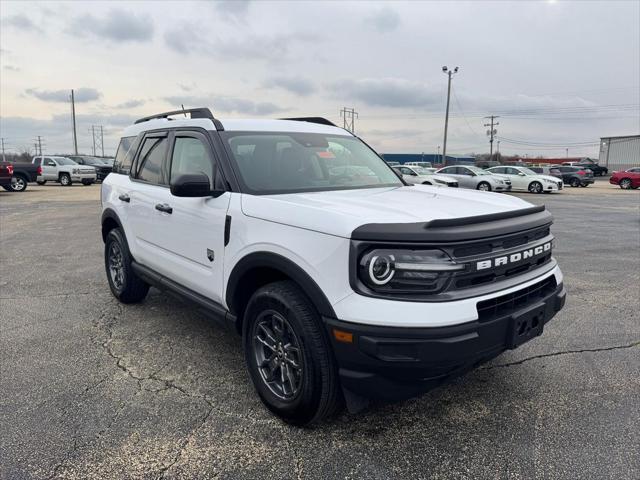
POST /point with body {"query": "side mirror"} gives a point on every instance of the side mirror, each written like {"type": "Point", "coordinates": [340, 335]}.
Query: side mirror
{"type": "Point", "coordinates": [521, 174]}
{"type": "Point", "coordinates": [193, 185]}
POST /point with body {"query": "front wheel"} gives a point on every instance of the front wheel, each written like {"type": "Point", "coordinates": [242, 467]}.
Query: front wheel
{"type": "Point", "coordinates": [41, 182]}
{"type": "Point", "coordinates": [535, 187]}
{"type": "Point", "coordinates": [484, 186]}
{"type": "Point", "coordinates": [65, 180]}
{"type": "Point", "coordinates": [625, 183]}
{"type": "Point", "coordinates": [87, 182]}
{"type": "Point", "coordinates": [575, 182]}
{"type": "Point", "coordinates": [125, 285]}
{"type": "Point", "coordinates": [288, 355]}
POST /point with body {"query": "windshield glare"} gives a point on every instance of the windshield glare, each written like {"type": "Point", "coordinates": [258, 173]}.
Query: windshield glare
{"type": "Point", "coordinates": [64, 161]}
{"type": "Point", "coordinates": [300, 162]}
{"type": "Point", "coordinates": [479, 171]}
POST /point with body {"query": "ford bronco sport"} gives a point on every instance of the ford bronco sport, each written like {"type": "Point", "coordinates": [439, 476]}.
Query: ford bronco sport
{"type": "Point", "coordinates": [344, 287]}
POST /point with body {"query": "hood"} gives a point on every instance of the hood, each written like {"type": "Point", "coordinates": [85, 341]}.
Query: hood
{"type": "Point", "coordinates": [340, 212]}
{"type": "Point", "coordinates": [551, 178]}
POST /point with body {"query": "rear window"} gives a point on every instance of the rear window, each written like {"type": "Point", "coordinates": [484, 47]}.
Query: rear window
{"type": "Point", "coordinates": [124, 155]}
{"type": "Point", "coordinates": [554, 170]}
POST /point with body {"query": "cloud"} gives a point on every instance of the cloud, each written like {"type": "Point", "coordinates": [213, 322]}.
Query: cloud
{"type": "Point", "coordinates": [21, 22]}
{"type": "Point", "coordinates": [131, 104]}
{"type": "Point", "coordinates": [226, 104]}
{"type": "Point", "coordinates": [185, 40]}
{"type": "Point", "coordinates": [81, 95]}
{"type": "Point", "coordinates": [384, 20]}
{"type": "Point", "coordinates": [118, 25]}
{"type": "Point", "coordinates": [387, 92]}
{"type": "Point", "coordinates": [236, 10]}
{"type": "Point", "coordinates": [297, 85]}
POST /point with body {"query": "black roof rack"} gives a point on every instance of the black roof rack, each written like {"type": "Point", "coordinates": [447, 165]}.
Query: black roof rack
{"type": "Point", "coordinates": [320, 120]}
{"type": "Point", "coordinates": [193, 113]}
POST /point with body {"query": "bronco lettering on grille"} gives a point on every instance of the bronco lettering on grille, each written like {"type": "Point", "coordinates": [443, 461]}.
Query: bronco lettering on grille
{"type": "Point", "coordinates": [514, 257]}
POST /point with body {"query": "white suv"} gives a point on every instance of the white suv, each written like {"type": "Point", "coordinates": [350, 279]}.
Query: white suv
{"type": "Point", "coordinates": [345, 283]}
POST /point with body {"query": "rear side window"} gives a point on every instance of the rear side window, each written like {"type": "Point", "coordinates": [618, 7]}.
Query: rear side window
{"type": "Point", "coordinates": [124, 155]}
{"type": "Point", "coordinates": [150, 160]}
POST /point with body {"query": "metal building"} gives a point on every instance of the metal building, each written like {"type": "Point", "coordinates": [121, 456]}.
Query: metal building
{"type": "Point", "coordinates": [620, 153]}
{"type": "Point", "coordinates": [435, 159]}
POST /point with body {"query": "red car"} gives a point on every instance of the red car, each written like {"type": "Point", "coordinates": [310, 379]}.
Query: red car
{"type": "Point", "coordinates": [630, 178]}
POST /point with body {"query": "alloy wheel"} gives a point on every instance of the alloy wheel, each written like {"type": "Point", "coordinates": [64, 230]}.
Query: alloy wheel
{"type": "Point", "coordinates": [278, 355]}
{"type": "Point", "coordinates": [116, 266]}
{"type": "Point", "coordinates": [625, 184]}
{"type": "Point", "coordinates": [19, 185]}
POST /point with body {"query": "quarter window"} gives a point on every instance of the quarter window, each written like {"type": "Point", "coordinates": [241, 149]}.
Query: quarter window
{"type": "Point", "coordinates": [190, 156]}
{"type": "Point", "coordinates": [151, 156]}
{"type": "Point", "coordinates": [124, 155]}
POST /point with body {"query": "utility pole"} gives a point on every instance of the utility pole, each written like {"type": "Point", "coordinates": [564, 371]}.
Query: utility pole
{"type": "Point", "coordinates": [3, 157]}
{"type": "Point", "coordinates": [93, 137]}
{"type": "Point", "coordinates": [73, 120]}
{"type": "Point", "coordinates": [102, 140]}
{"type": "Point", "coordinates": [498, 148]}
{"type": "Point", "coordinates": [349, 116]}
{"type": "Point", "coordinates": [39, 145]}
{"type": "Point", "coordinates": [438, 153]}
{"type": "Point", "coordinates": [449, 73]}
{"type": "Point", "coordinates": [491, 132]}
{"type": "Point", "coordinates": [567, 152]}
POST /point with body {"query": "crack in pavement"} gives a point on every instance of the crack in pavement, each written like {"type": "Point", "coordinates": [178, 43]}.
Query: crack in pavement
{"type": "Point", "coordinates": [566, 352]}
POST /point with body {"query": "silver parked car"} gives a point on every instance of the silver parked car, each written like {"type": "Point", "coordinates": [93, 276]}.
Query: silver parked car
{"type": "Point", "coordinates": [473, 177]}
{"type": "Point", "coordinates": [423, 176]}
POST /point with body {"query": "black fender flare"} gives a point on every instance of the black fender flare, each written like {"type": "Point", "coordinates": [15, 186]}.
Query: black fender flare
{"type": "Point", "coordinates": [288, 268]}
{"type": "Point", "coordinates": [111, 214]}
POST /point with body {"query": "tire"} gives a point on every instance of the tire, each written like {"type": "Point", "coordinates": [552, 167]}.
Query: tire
{"type": "Point", "coordinates": [20, 185]}
{"type": "Point", "coordinates": [625, 184]}
{"type": "Point", "coordinates": [575, 182]}
{"type": "Point", "coordinates": [584, 185]}
{"type": "Point", "coordinates": [86, 182]}
{"type": "Point", "coordinates": [41, 182]}
{"type": "Point", "coordinates": [7, 188]}
{"type": "Point", "coordinates": [484, 186]}
{"type": "Point", "coordinates": [280, 314]}
{"type": "Point", "coordinates": [535, 187]}
{"type": "Point", "coordinates": [125, 285]}
{"type": "Point", "coordinates": [65, 180]}
{"type": "Point", "coordinates": [426, 183]}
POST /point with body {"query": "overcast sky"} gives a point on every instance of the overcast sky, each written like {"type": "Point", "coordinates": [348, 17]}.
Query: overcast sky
{"type": "Point", "coordinates": [558, 73]}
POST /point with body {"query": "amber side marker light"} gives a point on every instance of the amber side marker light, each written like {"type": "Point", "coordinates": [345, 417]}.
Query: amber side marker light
{"type": "Point", "coordinates": [342, 336]}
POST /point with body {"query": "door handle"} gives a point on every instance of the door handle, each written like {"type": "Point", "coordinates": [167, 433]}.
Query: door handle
{"type": "Point", "coordinates": [163, 207]}
{"type": "Point", "coordinates": [125, 198]}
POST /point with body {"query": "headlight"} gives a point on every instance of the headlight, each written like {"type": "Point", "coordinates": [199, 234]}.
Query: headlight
{"type": "Point", "coordinates": [74, 171]}
{"type": "Point", "coordinates": [440, 181]}
{"type": "Point", "coordinates": [498, 181]}
{"type": "Point", "coordinates": [404, 271]}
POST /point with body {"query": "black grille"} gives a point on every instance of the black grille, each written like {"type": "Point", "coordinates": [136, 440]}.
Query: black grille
{"type": "Point", "coordinates": [507, 304]}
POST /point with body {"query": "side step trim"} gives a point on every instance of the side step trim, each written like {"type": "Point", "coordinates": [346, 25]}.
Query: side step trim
{"type": "Point", "coordinates": [219, 313]}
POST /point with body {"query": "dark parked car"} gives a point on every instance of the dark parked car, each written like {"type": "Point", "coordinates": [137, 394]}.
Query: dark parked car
{"type": "Point", "coordinates": [6, 175]}
{"type": "Point", "coordinates": [552, 171]}
{"type": "Point", "coordinates": [628, 179]}
{"type": "Point", "coordinates": [23, 173]}
{"type": "Point", "coordinates": [591, 165]}
{"type": "Point", "coordinates": [102, 168]}
{"type": "Point", "coordinates": [576, 176]}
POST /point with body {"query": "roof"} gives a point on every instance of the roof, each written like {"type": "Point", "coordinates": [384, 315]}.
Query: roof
{"type": "Point", "coordinates": [621, 136]}
{"type": "Point", "coordinates": [249, 125]}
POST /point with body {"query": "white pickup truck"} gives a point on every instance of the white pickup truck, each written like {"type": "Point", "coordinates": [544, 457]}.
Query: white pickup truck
{"type": "Point", "coordinates": [63, 170]}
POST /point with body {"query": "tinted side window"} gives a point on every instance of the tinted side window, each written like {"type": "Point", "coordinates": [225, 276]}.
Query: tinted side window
{"type": "Point", "coordinates": [498, 170]}
{"type": "Point", "coordinates": [190, 156]}
{"type": "Point", "coordinates": [124, 155]}
{"type": "Point", "coordinates": [151, 157]}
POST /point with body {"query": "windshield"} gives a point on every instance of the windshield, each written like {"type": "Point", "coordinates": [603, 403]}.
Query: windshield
{"type": "Point", "coordinates": [479, 171]}
{"type": "Point", "coordinates": [64, 161]}
{"type": "Point", "coordinates": [93, 161]}
{"type": "Point", "coordinates": [305, 162]}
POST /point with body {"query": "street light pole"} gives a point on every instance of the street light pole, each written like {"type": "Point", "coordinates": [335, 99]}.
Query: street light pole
{"type": "Point", "coordinates": [449, 73]}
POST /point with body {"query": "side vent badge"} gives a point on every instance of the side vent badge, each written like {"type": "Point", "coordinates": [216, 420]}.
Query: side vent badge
{"type": "Point", "coordinates": [210, 255]}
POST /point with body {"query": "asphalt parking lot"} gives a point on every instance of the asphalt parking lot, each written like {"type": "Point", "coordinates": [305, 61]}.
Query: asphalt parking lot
{"type": "Point", "coordinates": [90, 388]}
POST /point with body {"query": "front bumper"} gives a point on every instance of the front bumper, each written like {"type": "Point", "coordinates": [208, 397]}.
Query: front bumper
{"type": "Point", "coordinates": [79, 177]}
{"type": "Point", "coordinates": [393, 363]}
